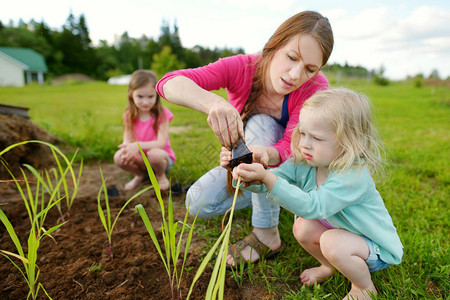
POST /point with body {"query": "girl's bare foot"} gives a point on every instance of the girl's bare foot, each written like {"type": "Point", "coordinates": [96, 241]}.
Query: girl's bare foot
{"type": "Point", "coordinates": [163, 182]}
{"type": "Point", "coordinates": [134, 183]}
{"type": "Point", "coordinates": [356, 293]}
{"type": "Point", "coordinates": [318, 274]}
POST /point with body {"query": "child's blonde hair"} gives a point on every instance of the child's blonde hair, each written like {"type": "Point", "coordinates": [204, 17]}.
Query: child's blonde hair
{"type": "Point", "coordinates": [349, 114]}
{"type": "Point", "coordinates": [139, 79]}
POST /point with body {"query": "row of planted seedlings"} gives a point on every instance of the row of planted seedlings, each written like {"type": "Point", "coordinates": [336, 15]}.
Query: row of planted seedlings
{"type": "Point", "coordinates": [52, 187]}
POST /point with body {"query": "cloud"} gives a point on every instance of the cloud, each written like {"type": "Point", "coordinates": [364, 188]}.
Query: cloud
{"type": "Point", "coordinates": [416, 42]}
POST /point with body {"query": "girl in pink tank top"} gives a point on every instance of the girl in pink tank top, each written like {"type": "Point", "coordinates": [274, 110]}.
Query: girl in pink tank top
{"type": "Point", "coordinates": [146, 122]}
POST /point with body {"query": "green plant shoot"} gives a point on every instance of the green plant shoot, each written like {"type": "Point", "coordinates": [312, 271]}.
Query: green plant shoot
{"type": "Point", "coordinates": [37, 208]}
{"type": "Point", "coordinates": [59, 174]}
{"type": "Point", "coordinates": [216, 286]}
{"type": "Point", "coordinates": [169, 230]}
{"type": "Point", "coordinates": [106, 221]}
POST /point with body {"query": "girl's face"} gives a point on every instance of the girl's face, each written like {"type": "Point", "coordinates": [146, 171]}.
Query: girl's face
{"type": "Point", "coordinates": [144, 97]}
{"type": "Point", "coordinates": [318, 142]}
{"type": "Point", "coordinates": [294, 64]}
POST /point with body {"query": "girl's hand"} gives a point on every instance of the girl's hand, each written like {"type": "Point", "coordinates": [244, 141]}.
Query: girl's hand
{"type": "Point", "coordinates": [260, 155]}
{"type": "Point", "coordinates": [255, 173]}
{"type": "Point", "coordinates": [250, 173]}
{"type": "Point", "coordinates": [225, 157]}
{"type": "Point", "coordinates": [226, 124]}
{"type": "Point", "coordinates": [131, 149]}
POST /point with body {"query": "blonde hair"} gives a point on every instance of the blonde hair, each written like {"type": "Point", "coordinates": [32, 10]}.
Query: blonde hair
{"type": "Point", "coordinates": [139, 79]}
{"type": "Point", "coordinates": [349, 114]}
{"type": "Point", "coordinates": [304, 23]}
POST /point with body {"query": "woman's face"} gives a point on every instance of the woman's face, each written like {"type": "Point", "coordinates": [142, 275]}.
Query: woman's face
{"type": "Point", "coordinates": [294, 64]}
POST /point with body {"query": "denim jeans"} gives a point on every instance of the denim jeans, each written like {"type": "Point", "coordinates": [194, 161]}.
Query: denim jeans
{"type": "Point", "coordinates": [209, 195]}
{"type": "Point", "coordinates": [374, 261]}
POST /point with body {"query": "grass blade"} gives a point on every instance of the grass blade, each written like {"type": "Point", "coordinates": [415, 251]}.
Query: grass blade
{"type": "Point", "coordinates": [11, 232]}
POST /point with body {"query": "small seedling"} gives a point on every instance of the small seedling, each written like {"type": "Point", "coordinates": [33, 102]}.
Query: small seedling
{"type": "Point", "coordinates": [169, 229]}
{"type": "Point", "coordinates": [95, 268]}
{"type": "Point", "coordinates": [216, 286]}
{"type": "Point", "coordinates": [106, 221]}
{"type": "Point", "coordinates": [37, 208]}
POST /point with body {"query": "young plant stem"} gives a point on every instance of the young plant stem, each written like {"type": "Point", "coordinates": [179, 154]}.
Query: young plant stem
{"type": "Point", "coordinates": [106, 221]}
{"type": "Point", "coordinates": [37, 215]}
{"type": "Point", "coordinates": [217, 280]}
{"type": "Point", "coordinates": [169, 229]}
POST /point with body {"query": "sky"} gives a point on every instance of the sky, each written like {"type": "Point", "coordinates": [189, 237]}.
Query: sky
{"type": "Point", "coordinates": [405, 37]}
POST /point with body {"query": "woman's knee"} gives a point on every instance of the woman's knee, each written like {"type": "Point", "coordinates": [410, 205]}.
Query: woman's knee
{"type": "Point", "coordinates": [197, 206]}
{"type": "Point", "coordinates": [263, 130]}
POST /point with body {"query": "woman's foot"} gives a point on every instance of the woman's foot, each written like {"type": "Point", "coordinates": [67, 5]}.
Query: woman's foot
{"type": "Point", "coordinates": [318, 274]}
{"type": "Point", "coordinates": [366, 294]}
{"type": "Point", "coordinates": [131, 185]}
{"type": "Point", "coordinates": [270, 237]}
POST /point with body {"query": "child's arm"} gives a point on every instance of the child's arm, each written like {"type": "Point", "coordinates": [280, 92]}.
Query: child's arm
{"type": "Point", "coordinates": [255, 173]}
{"type": "Point", "coordinates": [127, 137]}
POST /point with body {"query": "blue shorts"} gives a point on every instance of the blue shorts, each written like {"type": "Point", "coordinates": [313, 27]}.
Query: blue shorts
{"type": "Point", "coordinates": [170, 166]}
{"type": "Point", "coordinates": [373, 261]}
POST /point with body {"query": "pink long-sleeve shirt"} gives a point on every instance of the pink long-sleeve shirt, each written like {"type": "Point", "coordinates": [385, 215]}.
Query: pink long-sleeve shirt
{"type": "Point", "coordinates": [235, 74]}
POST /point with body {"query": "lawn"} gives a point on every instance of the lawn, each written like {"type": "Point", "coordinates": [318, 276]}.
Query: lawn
{"type": "Point", "coordinates": [412, 121]}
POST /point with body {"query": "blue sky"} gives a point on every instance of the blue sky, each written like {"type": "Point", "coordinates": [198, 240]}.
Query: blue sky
{"type": "Point", "coordinates": [406, 37]}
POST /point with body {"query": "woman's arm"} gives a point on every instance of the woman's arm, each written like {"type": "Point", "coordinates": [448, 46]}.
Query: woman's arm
{"type": "Point", "coordinates": [223, 118]}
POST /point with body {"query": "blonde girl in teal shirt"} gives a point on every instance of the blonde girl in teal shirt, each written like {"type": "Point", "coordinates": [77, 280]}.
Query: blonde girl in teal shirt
{"type": "Point", "coordinates": [342, 220]}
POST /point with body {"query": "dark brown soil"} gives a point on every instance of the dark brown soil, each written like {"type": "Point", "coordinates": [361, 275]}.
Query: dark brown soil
{"type": "Point", "coordinates": [67, 263]}
{"type": "Point", "coordinates": [15, 129]}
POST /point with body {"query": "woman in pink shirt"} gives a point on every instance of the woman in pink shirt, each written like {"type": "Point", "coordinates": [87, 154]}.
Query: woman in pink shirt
{"type": "Point", "coordinates": [265, 95]}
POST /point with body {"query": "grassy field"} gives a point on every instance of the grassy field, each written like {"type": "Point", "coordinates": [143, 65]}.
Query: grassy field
{"type": "Point", "coordinates": [413, 122]}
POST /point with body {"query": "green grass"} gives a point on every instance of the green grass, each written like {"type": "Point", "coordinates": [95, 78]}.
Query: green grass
{"type": "Point", "coordinates": [413, 122]}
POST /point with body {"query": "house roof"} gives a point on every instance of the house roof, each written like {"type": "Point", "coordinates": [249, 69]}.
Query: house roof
{"type": "Point", "coordinates": [33, 60]}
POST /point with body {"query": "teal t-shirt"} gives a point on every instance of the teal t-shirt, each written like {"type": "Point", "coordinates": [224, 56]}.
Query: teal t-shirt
{"type": "Point", "coordinates": [347, 200]}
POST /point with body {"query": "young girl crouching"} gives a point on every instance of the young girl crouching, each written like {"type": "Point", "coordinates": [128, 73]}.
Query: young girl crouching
{"type": "Point", "coordinates": [146, 122]}
{"type": "Point", "coordinates": [342, 221]}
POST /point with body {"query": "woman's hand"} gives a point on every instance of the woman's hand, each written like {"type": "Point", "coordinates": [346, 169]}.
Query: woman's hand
{"type": "Point", "coordinates": [226, 124]}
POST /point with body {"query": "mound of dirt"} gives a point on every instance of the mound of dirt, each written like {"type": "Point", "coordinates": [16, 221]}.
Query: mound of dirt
{"type": "Point", "coordinates": [15, 129]}
{"type": "Point", "coordinates": [437, 82]}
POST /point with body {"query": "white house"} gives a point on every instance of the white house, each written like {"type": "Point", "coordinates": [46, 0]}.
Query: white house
{"type": "Point", "coordinates": [19, 66]}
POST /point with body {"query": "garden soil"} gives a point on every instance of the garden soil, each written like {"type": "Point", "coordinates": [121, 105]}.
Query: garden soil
{"type": "Point", "coordinates": [75, 263]}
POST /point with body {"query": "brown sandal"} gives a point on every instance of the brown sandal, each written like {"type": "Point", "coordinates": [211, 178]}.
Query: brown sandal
{"type": "Point", "coordinates": [252, 241]}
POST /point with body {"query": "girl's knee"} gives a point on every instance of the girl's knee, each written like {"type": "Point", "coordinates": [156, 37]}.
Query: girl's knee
{"type": "Point", "coordinates": [158, 157]}
{"type": "Point", "coordinates": [118, 161]}
{"type": "Point", "coordinates": [299, 231]}
{"type": "Point", "coordinates": [330, 245]}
